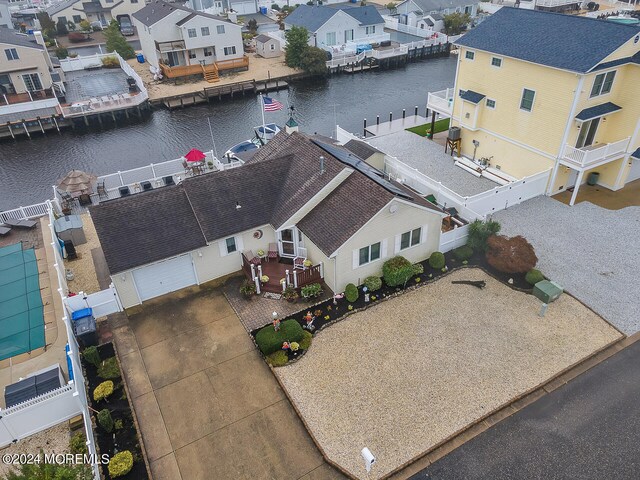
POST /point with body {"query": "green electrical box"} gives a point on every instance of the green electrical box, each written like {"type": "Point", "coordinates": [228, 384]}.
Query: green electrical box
{"type": "Point", "coordinates": [547, 291]}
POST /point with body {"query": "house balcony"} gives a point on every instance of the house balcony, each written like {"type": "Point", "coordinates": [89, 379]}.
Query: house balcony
{"type": "Point", "coordinates": [441, 102]}
{"type": "Point", "coordinates": [282, 268]}
{"type": "Point", "coordinates": [594, 155]}
{"type": "Point", "coordinates": [555, 3]}
{"type": "Point", "coordinates": [15, 98]}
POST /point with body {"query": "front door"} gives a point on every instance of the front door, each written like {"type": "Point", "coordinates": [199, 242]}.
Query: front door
{"type": "Point", "coordinates": [103, 19]}
{"type": "Point", "coordinates": [348, 36]}
{"type": "Point", "coordinates": [172, 59]}
{"type": "Point", "coordinates": [587, 133]}
{"type": "Point", "coordinates": [287, 243]}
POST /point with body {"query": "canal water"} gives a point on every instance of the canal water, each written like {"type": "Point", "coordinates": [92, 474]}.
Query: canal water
{"type": "Point", "coordinates": [29, 167]}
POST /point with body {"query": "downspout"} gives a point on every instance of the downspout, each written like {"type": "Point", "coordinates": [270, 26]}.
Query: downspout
{"type": "Point", "coordinates": [334, 273]}
{"type": "Point", "coordinates": [455, 86]}
{"type": "Point", "coordinates": [572, 114]}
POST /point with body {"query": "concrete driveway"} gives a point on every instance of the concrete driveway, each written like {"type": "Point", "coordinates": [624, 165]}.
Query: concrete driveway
{"type": "Point", "coordinates": [207, 405]}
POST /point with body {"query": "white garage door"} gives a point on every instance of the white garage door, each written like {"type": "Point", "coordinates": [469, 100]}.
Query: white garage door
{"type": "Point", "coordinates": [244, 7]}
{"type": "Point", "coordinates": [634, 172]}
{"type": "Point", "coordinates": [164, 277]}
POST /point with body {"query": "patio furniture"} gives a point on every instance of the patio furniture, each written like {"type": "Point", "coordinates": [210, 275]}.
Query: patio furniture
{"type": "Point", "coordinates": [4, 230]}
{"type": "Point", "coordinates": [251, 258]}
{"type": "Point", "coordinates": [273, 252]}
{"type": "Point", "coordinates": [102, 190]}
{"type": "Point", "coordinates": [298, 262]}
{"type": "Point", "coordinates": [23, 223]}
{"type": "Point", "coordinates": [187, 168]}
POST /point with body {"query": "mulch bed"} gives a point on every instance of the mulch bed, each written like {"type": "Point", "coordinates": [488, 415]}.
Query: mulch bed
{"type": "Point", "coordinates": [332, 310]}
{"type": "Point", "coordinates": [127, 437]}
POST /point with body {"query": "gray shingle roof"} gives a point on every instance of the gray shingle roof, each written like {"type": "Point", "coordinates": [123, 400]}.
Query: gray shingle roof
{"type": "Point", "coordinates": [146, 227]}
{"type": "Point", "coordinates": [313, 17]}
{"type": "Point", "coordinates": [367, 15]}
{"type": "Point", "coordinates": [567, 42]}
{"type": "Point", "coordinates": [263, 38]}
{"type": "Point", "coordinates": [361, 149]}
{"type": "Point", "coordinates": [621, 61]}
{"type": "Point", "coordinates": [636, 154]}
{"type": "Point", "coordinates": [19, 39]}
{"type": "Point", "coordinates": [473, 97]}
{"type": "Point", "coordinates": [58, 7]}
{"type": "Point", "coordinates": [435, 5]}
{"type": "Point", "coordinates": [157, 10]}
{"type": "Point", "coordinates": [597, 111]}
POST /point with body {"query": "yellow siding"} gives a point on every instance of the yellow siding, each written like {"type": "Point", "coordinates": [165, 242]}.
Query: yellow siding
{"type": "Point", "coordinates": [627, 50]}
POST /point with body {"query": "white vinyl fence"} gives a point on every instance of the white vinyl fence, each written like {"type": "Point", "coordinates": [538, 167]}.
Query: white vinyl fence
{"type": "Point", "coordinates": [32, 211]}
{"type": "Point", "coordinates": [453, 238]}
{"type": "Point", "coordinates": [104, 302]}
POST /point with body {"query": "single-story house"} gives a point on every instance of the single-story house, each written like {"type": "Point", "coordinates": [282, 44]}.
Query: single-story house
{"type": "Point", "coordinates": [268, 47]}
{"type": "Point", "coordinates": [308, 196]}
{"type": "Point", "coordinates": [423, 13]}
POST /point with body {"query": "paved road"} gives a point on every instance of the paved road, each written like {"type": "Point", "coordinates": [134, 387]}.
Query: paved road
{"type": "Point", "coordinates": [587, 429]}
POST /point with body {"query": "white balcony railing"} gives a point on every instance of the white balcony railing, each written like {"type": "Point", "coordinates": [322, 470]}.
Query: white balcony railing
{"type": "Point", "coordinates": [589, 155]}
{"type": "Point", "coordinates": [555, 3]}
{"type": "Point", "coordinates": [441, 102]}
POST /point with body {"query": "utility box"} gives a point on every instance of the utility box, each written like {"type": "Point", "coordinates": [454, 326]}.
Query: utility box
{"type": "Point", "coordinates": [547, 291]}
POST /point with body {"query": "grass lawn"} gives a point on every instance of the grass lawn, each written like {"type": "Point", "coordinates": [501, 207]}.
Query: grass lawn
{"type": "Point", "coordinates": [440, 126]}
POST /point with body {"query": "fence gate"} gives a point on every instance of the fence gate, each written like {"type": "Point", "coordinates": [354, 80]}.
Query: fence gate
{"type": "Point", "coordinates": [103, 302]}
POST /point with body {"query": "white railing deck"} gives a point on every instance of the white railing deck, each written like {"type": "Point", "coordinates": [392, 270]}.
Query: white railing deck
{"type": "Point", "coordinates": [441, 101]}
{"type": "Point", "coordinates": [584, 157]}
{"type": "Point", "coordinates": [31, 211]}
{"type": "Point", "coordinates": [555, 3]}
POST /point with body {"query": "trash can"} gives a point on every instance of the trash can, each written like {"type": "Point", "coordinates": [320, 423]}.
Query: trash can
{"type": "Point", "coordinates": [263, 10]}
{"type": "Point", "coordinates": [140, 57]}
{"type": "Point", "coordinates": [593, 178]}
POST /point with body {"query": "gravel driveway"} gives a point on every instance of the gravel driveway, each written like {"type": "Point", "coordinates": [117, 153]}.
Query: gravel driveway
{"type": "Point", "coordinates": [406, 374]}
{"type": "Point", "coordinates": [591, 251]}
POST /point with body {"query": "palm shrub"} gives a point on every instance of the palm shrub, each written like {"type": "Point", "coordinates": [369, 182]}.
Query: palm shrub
{"type": "Point", "coordinates": [397, 271]}
{"type": "Point", "coordinates": [372, 283]}
{"type": "Point", "coordinates": [270, 341]}
{"type": "Point", "coordinates": [120, 464]}
{"type": "Point", "coordinates": [533, 276]}
{"type": "Point", "coordinates": [510, 254]}
{"type": "Point", "coordinates": [105, 420]}
{"type": "Point", "coordinates": [436, 260]}
{"type": "Point", "coordinates": [479, 232]}
{"type": "Point", "coordinates": [351, 293]}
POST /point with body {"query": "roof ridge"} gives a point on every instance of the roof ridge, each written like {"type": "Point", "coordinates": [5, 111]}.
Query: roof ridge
{"type": "Point", "coordinates": [193, 210]}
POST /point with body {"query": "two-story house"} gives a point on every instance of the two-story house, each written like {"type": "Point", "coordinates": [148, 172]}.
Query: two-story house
{"type": "Point", "coordinates": [5, 15]}
{"type": "Point", "coordinates": [426, 14]}
{"type": "Point", "coordinates": [538, 91]}
{"type": "Point", "coordinates": [103, 11]}
{"type": "Point", "coordinates": [174, 36]}
{"type": "Point", "coordinates": [329, 27]}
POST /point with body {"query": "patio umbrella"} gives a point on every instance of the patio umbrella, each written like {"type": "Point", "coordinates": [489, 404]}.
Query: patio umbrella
{"type": "Point", "coordinates": [76, 181]}
{"type": "Point", "coordinates": [195, 155]}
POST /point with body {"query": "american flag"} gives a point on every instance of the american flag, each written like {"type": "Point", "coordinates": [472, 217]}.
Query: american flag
{"type": "Point", "coordinates": [271, 105]}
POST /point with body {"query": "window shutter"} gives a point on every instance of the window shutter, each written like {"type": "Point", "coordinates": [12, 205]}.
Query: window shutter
{"type": "Point", "coordinates": [383, 249]}
{"type": "Point", "coordinates": [239, 244]}
{"type": "Point", "coordinates": [397, 246]}
{"type": "Point", "coordinates": [423, 234]}
{"type": "Point", "coordinates": [356, 258]}
{"type": "Point", "coordinates": [223, 247]}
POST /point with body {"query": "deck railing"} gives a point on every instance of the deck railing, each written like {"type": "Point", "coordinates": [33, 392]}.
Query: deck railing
{"type": "Point", "coordinates": [441, 101]}
{"type": "Point", "coordinates": [556, 3]}
{"type": "Point", "coordinates": [309, 275]}
{"type": "Point", "coordinates": [233, 63]}
{"type": "Point", "coordinates": [20, 213]}
{"type": "Point", "coordinates": [589, 155]}
{"type": "Point", "coordinates": [14, 98]}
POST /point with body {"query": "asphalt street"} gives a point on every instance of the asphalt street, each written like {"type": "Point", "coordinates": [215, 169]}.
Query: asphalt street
{"type": "Point", "coordinates": [586, 429]}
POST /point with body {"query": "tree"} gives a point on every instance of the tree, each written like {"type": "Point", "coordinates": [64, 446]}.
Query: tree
{"type": "Point", "coordinates": [314, 61]}
{"type": "Point", "coordinates": [45, 21]}
{"type": "Point", "coordinates": [116, 41]}
{"type": "Point", "coordinates": [391, 7]}
{"type": "Point", "coordinates": [455, 22]}
{"type": "Point", "coordinates": [297, 46]}
{"type": "Point", "coordinates": [85, 26]}
{"type": "Point", "coordinates": [252, 25]}
{"type": "Point", "coordinates": [61, 27]}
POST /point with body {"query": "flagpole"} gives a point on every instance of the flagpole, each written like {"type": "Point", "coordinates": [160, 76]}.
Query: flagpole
{"type": "Point", "coordinates": [264, 125]}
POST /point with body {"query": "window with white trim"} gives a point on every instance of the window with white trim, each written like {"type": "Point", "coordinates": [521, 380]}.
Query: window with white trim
{"type": "Point", "coordinates": [411, 238]}
{"type": "Point", "coordinates": [192, 54]}
{"type": "Point", "coordinates": [192, 33]}
{"type": "Point", "coordinates": [369, 254]}
{"type": "Point", "coordinates": [370, 30]}
{"type": "Point", "coordinates": [526, 103]}
{"type": "Point", "coordinates": [230, 244]}
{"type": "Point", "coordinates": [496, 62]}
{"type": "Point", "coordinates": [230, 50]}
{"type": "Point", "coordinates": [602, 83]}
{"type": "Point", "coordinates": [469, 55]}
{"type": "Point", "coordinates": [12, 54]}
{"type": "Point", "coordinates": [208, 52]}
{"type": "Point", "coordinates": [204, 31]}
{"type": "Point", "coordinates": [491, 103]}
{"type": "Point", "coordinates": [220, 29]}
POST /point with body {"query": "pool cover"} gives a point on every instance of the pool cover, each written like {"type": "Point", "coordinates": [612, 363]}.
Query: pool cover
{"type": "Point", "coordinates": [21, 310]}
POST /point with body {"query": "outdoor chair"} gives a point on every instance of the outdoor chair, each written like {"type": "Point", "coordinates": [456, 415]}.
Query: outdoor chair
{"type": "Point", "coordinates": [251, 258]}
{"type": "Point", "coordinates": [187, 168]}
{"type": "Point", "coordinates": [298, 262]}
{"type": "Point", "coordinates": [102, 190]}
{"type": "Point", "coordinates": [273, 252]}
{"type": "Point", "coordinates": [28, 224]}
{"type": "Point", "coordinates": [4, 230]}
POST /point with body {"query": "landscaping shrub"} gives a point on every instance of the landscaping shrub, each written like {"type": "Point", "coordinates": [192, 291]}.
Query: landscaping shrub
{"type": "Point", "coordinates": [109, 369]}
{"type": "Point", "coordinates": [103, 390]}
{"type": "Point", "coordinates": [105, 420]}
{"type": "Point", "coordinates": [372, 283]}
{"type": "Point", "coordinates": [463, 253]}
{"type": "Point", "coordinates": [312, 290]}
{"type": "Point", "coordinates": [62, 53]}
{"type": "Point", "coordinates": [418, 269]}
{"type": "Point", "coordinates": [77, 37]}
{"type": "Point", "coordinates": [534, 276]}
{"type": "Point", "coordinates": [351, 293]}
{"type": "Point", "coordinates": [270, 341]}
{"type": "Point", "coordinates": [307, 338]}
{"type": "Point", "coordinates": [396, 271]}
{"type": "Point", "coordinates": [91, 355]}
{"type": "Point", "coordinates": [248, 288]}
{"type": "Point", "coordinates": [117, 424]}
{"type": "Point", "coordinates": [277, 359]}
{"type": "Point", "coordinates": [110, 62]}
{"type": "Point", "coordinates": [85, 26]}
{"type": "Point", "coordinates": [120, 464]}
{"type": "Point", "coordinates": [510, 255]}
{"type": "Point", "coordinates": [479, 232]}
{"type": "Point", "coordinates": [290, 294]}
{"type": "Point", "coordinates": [436, 260]}
{"type": "Point", "coordinates": [78, 444]}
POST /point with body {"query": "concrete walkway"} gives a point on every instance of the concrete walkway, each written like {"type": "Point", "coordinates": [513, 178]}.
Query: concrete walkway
{"type": "Point", "coordinates": [207, 405]}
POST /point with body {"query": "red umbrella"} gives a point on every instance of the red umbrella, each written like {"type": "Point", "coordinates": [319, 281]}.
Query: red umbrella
{"type": "Point", "coordinates": [195, 155]}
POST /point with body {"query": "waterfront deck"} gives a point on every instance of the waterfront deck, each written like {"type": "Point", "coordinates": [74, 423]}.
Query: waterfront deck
{"type": "Point", "coordinates": [394, 126]}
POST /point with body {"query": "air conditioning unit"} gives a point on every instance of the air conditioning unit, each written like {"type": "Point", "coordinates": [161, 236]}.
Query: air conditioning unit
{"type": "Point", "coordinates": [454, 133]}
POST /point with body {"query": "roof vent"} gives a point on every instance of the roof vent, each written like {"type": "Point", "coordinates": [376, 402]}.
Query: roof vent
{"type": "Point", "coordinates": [321, 164]}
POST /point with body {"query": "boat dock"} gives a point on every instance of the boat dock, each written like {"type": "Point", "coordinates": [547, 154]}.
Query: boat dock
{"type": "Point", "coordinates": [393, 126]}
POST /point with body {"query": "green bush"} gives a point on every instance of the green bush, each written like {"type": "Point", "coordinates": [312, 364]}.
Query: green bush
{"type": "Point", "coordinates": [109, 369]}
{"type": "Point", "coordinates": [463, 253]}
{"type": "Point", "coordinates": [91, 355]}
{"type": "Point", "coordinates": [248, 288]}
{"type": "Point", "coordinates": [397, 271]}
{"type": "Point", "coordinates": [418, 269]}
{"type": "Point", "coordinates": [372, 283]}
{"type": "Point", "coordinates": [110, 62]}
{"type": "Point", "coordinates": [311, 291]}
{"type": "Point", "coordinates": [105, 420]}
{"type": "Point", "coordinates": [307, 338]}
{"type": "Point", "coordinates": [270, 341]}
{"type": "Point", "coordinates": [479, 232]}
{"type": "Point", "coordinates": [351, 293]}
{"type": "Point", "coordinates": [117, 424]}
{"type": "Point", "coordinates": [78, 444]}
{"type": "Point", "coordinates": [62, 53]}
{"type": "Point", "coordinates": [534, 276]}
{"type": "Point", "coordinates": [120, 464]}
{"type": "Point", "coordinates": [277, 359]}
{"type": "Point", "coordinates": [436, 260]}
{"type": "Point", "coordinates": [103, 390]}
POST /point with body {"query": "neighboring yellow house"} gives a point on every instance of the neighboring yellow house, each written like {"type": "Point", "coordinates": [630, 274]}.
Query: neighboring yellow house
{"type": "Point", "coordinates": [537, 90]}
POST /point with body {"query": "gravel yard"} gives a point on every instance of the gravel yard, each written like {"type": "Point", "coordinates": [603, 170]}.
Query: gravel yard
{"type": "Point", "coordinates": [591, 251]}
{"type": "Point", "coordinates": [406, 374]}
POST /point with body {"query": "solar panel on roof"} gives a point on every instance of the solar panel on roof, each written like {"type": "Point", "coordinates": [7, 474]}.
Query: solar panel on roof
{"type": "Point", "coordinates": [363, 167]}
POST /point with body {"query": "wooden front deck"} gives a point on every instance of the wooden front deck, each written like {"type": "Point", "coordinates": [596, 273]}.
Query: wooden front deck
{"type": "Point", "coordinates": [276, 270]}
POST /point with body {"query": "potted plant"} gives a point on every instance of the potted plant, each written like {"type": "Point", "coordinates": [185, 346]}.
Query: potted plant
{"type": "Point", "coordinates": [307, 263]}
{"type": "Point", "coordinates": [264, 279]}
{"type": "Point", "coordinates": [260, 253]}
{"type": "Point", "coordinates": [248, 289]}
{"type": "Point", "coordinates": [290, 294]}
